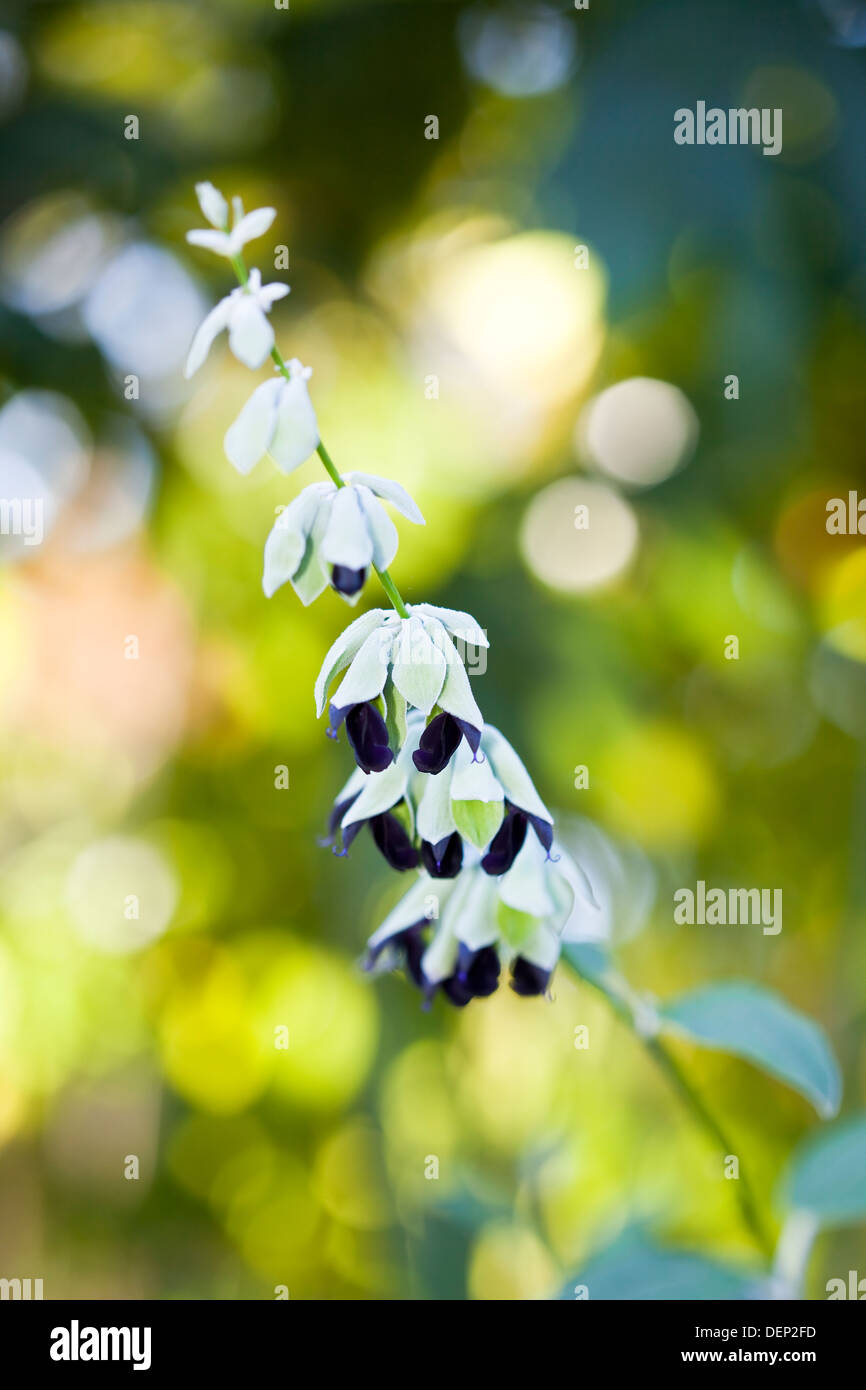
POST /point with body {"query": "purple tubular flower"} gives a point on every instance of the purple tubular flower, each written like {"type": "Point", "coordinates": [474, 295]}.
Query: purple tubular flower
{"type": "Point", "coordinates": [543, 829]}
{"type": "Point", "coordinates": [367, 733]}
{"type": "Point", "coordinates": [393, 842]}
{"type": "Point", "coordinates": [506, 843]}
{"type": "Point", "coordinates": [439, 741]}
{"type": "Point", "coordinates": [337, 813]}
{"type": "Point", "coordinates": [444, 859]}
{"type": "Point", "coordinates": [347, 581]}
{"type": "Point", "coordinates": [437, 744]}
{"type": "Point", "coordinates": [410, 944]}
{"type": "Point", "coordinates": [528, 979]}
{"type": "Point", "coordinates": [508, 840]}
{"type": "Point", "coordinates": [476, 976]}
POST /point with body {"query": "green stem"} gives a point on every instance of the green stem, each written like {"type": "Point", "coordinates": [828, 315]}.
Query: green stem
{"type": "Point", "coordinates": [394, 596]}
{"type": "Point", "coordinates": [695, 1102]}
{"type": "Point", "coordinates": [392, 591]}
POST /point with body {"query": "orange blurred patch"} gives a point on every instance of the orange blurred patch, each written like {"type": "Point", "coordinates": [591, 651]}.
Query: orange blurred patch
{"type": "Point", "coordinates": [105, 652]}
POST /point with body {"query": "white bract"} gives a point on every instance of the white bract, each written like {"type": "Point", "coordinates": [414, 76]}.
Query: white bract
{"type": "Point", "coordinates": [414, 657]}
{"type": "Point", "coordinates": [481, 796]}
{"type": "Point", "coordinates": [222, 241]}
{"type": "Point", "coordinates": [331, 535]}
{"type": "Point", "coordinates": [213, 205]}
{"type": "Point", "coordinates": [244, 313]}
{"type": "Point", "coordinates": [473, 797]}
{"type": "Point", "coordinates": [278, 419]}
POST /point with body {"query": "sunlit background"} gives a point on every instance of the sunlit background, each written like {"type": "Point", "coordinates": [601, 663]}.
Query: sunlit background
{"type": "Point", "coordinates": [532, 314]}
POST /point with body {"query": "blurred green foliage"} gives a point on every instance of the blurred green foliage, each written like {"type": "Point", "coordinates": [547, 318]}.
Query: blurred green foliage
{"type": "Point", "coordinates": [386, 1152]}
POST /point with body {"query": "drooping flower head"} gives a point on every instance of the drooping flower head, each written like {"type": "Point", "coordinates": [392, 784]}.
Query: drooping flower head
{"type": "Point", "coordinates": [395, 664]}
{"type": "Point", "coordinates": [455, 935]}
{"type": "Point", "coordinates": [330, 535]}
{"type": "Point", "coordinates": [278, 419]}
{"type": "Point", "coordinates": [244, 313]}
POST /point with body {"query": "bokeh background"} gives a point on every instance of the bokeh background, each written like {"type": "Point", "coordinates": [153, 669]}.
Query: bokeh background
{"type": "Point", "coordinates": [463, 343]}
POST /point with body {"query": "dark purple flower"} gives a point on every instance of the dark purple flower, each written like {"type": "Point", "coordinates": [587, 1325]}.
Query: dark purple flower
{"type": "Point", "coordinates": [527, 978]}
{"type": "Point", "coordinates": [334, 834]}
{"type": "Point", "coordinates": [347, 581]}
{"type": "Point", "coordinates": [367, 733]}
{"type": "Point", "coordinates": [476, 976]}
{"type": "Point", "coordinates": [444, 859]}
{"type": "Point", "coordinates": [439, 741]}
{"type": "Point", "coordinates": [508, 840]}
{"type": "Point", "coordinates": [410, 945]}
{"type": "Point", "coordinates": [506, 843]}
{"type": "Point", "coordinates": [393, 841]}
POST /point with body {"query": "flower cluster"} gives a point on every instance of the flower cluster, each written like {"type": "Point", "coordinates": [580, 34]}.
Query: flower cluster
{"type": "Point", "coordinates": [396, 664]}
{"type": "Point", "coordinates": [332, 535]}
{"type": "Point", "coordinates": [444, 794]}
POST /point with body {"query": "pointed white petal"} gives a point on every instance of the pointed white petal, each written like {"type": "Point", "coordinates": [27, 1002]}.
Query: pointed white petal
{"type": "Point", "coordinates": [205, 334]}
{"type": "Point", "coordinates": [296, 435]}
{"type": "Point", "coordinates": [471, 780]}
{"type": "Point", "coordinates": [211, 241]}
{"type": "Point", "coordinates": [343, 649]}
{"type": "Point", "coordinates": [351, 600]}
{"type": "Point", "coordinates": [587, 914]}
{"type": "Point", "coordinates": [562, 890]}
{"type": "Point", "coordinates": [391, 492]}
{"type": "Point", "coordinates": [255, 224]}
{"type": "Point", "coordinates": [440, 958]}
{"type": "Point", "coordinates": [267, 295]}
{"type": "Point", "coordinates": [312, 577]}
{"type": "Point", "coordinates": [541, 948]}
{"type": "Point", "coordinates": [366, 676]}
{"type": "Point", "coordinates": [515, 780]}
{"type": "Point", "coordinates": [247, 439]}
{"type": "Point", "coordinates": [380, 527]}
{"type": "Point", "coordinates": [461, 625]}
{"type": "Point", "coordinates": [250, 334]}
{"type": "Point", "coordinates": [354, 785]}
{"type": "Point", "coordinates": [212, 203]}
{"type": "Point", "coordinates": [471, 913]}
{"type": "Point", "coordinates": [456, 697]}
{"type": "Point", "coordinates": [413, 907]}
{"type": "Point", "coordinates": [310, 580]}
{"type": "Point", "coordinates": [435, 820]}
{"type": "Point", "coordinates": [380, 792]}
{"type": "Point", "coordinates": [525, 885]}
{"type": "Point", "coordinates": [287, 542]}
{"type": "Point", "coordinates": [419, 666]}
{"type": "Point", "coordinates": [347, 540]}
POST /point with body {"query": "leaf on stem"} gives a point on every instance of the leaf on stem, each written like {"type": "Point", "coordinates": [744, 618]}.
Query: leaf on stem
{"type": "Point", "coordinates": [755, 1023]}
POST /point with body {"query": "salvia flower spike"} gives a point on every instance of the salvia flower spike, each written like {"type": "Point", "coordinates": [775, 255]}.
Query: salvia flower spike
{"type": "Point", "coordinates": [444, 795]}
